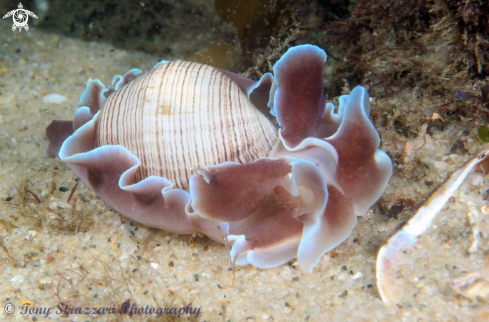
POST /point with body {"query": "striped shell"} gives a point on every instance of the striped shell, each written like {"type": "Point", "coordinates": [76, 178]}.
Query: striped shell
{"type": "Point", "coordinates": [184, 115]}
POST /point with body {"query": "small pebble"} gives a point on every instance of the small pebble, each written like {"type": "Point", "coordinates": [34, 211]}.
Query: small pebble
{"type": "Point", "coordinates": [329, 70]}
{"type": "Point", "coordinates": [63, 189]}
{"type": "Point", "coordinates": [484, 209]}
{"type": "Point", "coordinates": [26, 301]}
{"type": "Point", "coordinates": [358, 275]}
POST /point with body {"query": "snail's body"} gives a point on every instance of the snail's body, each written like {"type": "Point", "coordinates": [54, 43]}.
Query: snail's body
{"type": "Point", "coordinates": [185, 148]}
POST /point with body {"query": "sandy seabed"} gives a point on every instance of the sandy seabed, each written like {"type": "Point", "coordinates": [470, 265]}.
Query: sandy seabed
{"type": "Point", "coordinates": [85, 255]}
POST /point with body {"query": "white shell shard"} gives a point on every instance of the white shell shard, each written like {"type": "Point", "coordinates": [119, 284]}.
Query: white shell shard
{"type": "Point", "coordinates": [54, 98]}
{"type": "Point", "coordinates": [182, 115]}
{"type": "Point", "coordinates": [389, 256]}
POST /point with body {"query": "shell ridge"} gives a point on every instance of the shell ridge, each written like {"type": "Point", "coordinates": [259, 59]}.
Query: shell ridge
{"type": "Point", "coordinates": [116, 110]}
{"type": "Point", "coordinates": [123, 98]}
{"type": "Point", "coordinates": [173, 149]}
{"type": "Point", "coordinates": [200, 122]}
{"type": "Point", "coordinates": [140, 130]}
{"type": "Point", "coordinates": [216, 147]}
{"type": "Point", "coordinates": [246, 112]}
{"type": "Point", "coordinates": [220, 149]}
{"type": "Point", "coordinates": [105, 120]}
{"type": "Point", "coordinates": [232, 130]}
{"type": "Point", "coordinates": [110, 117]}
{"type": "Point", "coordinates": [242, 123]}
{"type": "Point", "coordinates": [139, 173]}
{"type": "Point", "coordinates": [224, 128]}
{"type": "Point", "coordinates": [133, 132]}
{"type": "Point", "coordinates": [139, 126]}
{"type": "Point", "coordinates": [162, 90]}
{"type": "Point", "coordinates": [125, 110]}
{"type": "Point", "coordinates": [129, 113]}
{"type": "Point", "coordinates": [194, 120]}
{"type": "Point", "coordinates": [182, 117]}
{"type": "Point", "coordinates": [161, 87]}
{"type": "Point", "coordinates": [153, 85]}
{"type": "Point", "coordinates": [189, 147]}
